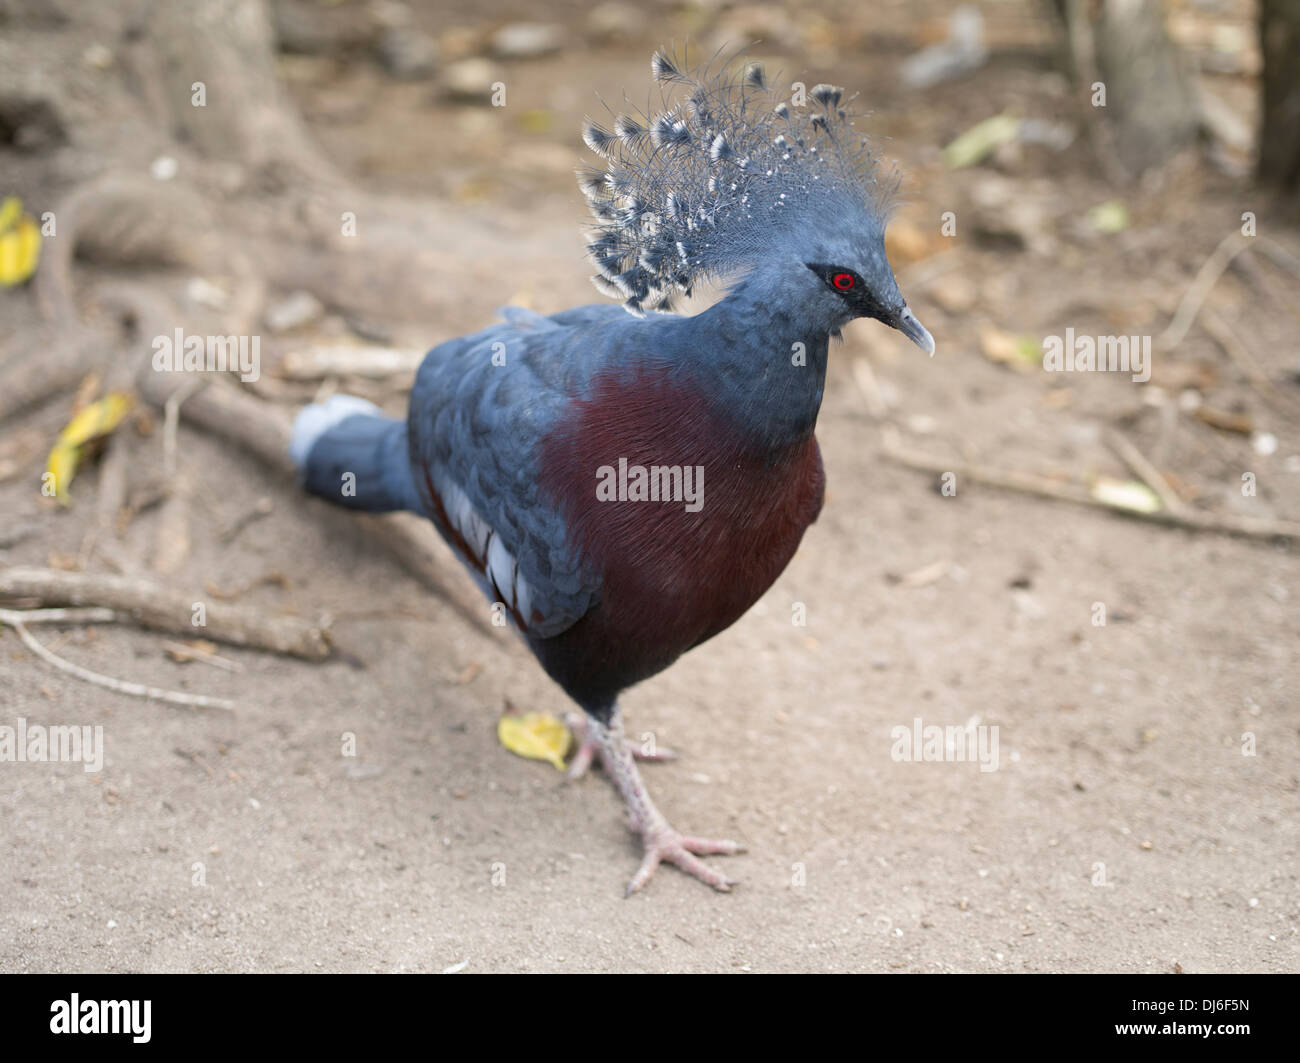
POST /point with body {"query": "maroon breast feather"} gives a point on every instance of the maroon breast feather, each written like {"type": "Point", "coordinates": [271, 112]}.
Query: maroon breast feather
{"type": "Point", "coordinates": [670, 578]}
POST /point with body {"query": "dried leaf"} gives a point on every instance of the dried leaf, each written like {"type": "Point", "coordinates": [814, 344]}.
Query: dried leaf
{"type": "Point", "coordinates": [927, 574]}
{"type": "Point", "coordinates": [1109, 217]}
{"type": "Point", "coordinates": [978, 142]}
{"type": "Point", "coordinates": [20, 243]}
{"type": "Point", "coordinates": [96, 420]}
{"type": "Point", "coordinates": [190, 650]}
{"type": "Point", "coordinates": [535, 735]}
{"type": "Point", "coordinates": [1226, 420]}
{"type": "Point", "coordinates": [1126, 494]}
{"type": "Point", "coordinates": [1022, 353]}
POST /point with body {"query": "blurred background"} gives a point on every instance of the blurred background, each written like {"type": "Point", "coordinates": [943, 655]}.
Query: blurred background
{"type": "Point", "coordinates": [354, 181]}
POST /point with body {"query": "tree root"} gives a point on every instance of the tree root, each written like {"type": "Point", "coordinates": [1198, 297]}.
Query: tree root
{"type": "Point", "coordinates": [163, 609]}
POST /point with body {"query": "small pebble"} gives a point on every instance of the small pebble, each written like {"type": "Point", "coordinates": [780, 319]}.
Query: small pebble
{"type": "Point", "coordinates": [97, 56]}
{"type": "Point", "coordinates": [1264, 443]}
{"type": "Point", "coordinates": [407, 54]}
{"type": "Point", "coordinates": [469, 81]}
{"type": "Point", "coordinates": [294, 311]}
{"type": "Point", "coordinates": [527, 40]}
{"type": "Point", "coordinates": [163, 168]}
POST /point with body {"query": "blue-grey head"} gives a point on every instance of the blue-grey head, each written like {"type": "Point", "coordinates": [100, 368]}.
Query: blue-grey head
{"type": "Point", "coordinates": [729, 181]}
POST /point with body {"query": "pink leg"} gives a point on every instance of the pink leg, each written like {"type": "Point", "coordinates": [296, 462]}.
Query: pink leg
{"type": "Point", "coordinates": [661, 841]}
{"type": "Point", "coordinates": [587, 747]}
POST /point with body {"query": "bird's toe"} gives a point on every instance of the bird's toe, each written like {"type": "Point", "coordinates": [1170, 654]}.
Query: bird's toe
{"type": "Point", "coordinates": [710, 846]}
{"type": "Point", "coordinates": [683, 851]}
{"type": "Point", "coordinates": [581, 762]}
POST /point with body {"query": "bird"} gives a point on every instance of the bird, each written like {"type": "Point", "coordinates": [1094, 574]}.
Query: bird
{"type": "Point", "coordinates": [624, 481]}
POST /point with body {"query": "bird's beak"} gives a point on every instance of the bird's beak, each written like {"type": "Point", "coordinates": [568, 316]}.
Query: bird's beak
{"type": "Point", "coordinates": [907, 324]}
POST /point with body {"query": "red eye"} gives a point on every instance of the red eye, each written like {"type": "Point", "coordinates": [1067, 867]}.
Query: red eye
{"type": "Point", "coordinates": [842, 281]}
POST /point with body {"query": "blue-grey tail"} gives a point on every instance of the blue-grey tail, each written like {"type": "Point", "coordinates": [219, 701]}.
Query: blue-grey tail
{"type": "Point", "coordinates": [350, 452]}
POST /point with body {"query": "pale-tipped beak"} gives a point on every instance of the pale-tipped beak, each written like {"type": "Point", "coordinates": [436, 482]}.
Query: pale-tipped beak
{"type": "Point", "coordinates": [907, 324]}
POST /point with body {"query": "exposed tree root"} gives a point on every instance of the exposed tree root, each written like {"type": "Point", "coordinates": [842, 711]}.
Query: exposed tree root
{"type": "Point", "coordinates": [163, 609]}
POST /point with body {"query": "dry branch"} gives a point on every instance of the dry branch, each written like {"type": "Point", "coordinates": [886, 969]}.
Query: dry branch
{"type": "Point", "coordinates": [1146, 472]}
{"type": "Point", "coordinates": [224, 410]}
{"type": "Point", "coordinates": [1206, 278]}
{"type": "Point", "coordinates": [164, 609]}
{"type": "Point", "coordinates": [1031, 484]}
{"type": "Point", "coordinates": [17, 619]}
{"type": "Point", "coordinates": [317, 362]}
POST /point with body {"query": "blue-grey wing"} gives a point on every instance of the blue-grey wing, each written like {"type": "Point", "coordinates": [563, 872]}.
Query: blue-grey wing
{"type": "Point", "coordinates": [480, 408]}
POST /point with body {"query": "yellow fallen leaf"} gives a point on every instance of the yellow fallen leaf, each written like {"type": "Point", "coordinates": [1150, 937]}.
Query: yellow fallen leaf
{"type": "Point", "coordinates": [20, 243]}
{"type": "Point", "coordinates": [1022, 353]}
{"type": "Point", "coordinates": [96, 419]}
{"type": "Point", "coordinates": [1109, 217]}
{"type": "Point", "coordinates": [535, 735]}
{"type": "Point", "coordinates": [1125, 494]}
{"type": "Point", "coordinates": [980, 141]}
{"type": "Point", "coordinates": [537, 121]}
{"type": "Point", "coordinates": [91, 422]}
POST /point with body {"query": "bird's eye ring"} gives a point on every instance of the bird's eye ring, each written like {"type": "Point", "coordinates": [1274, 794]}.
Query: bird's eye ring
{"type": "Point", "coordinates": [842, 281]}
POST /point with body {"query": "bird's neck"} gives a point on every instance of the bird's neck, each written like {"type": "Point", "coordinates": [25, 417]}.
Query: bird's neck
{"type": "Point", "coordinates": [763, 366]}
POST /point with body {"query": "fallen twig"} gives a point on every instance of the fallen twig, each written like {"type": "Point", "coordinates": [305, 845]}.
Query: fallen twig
{"type": "Point", "coordinates": [261, 508]}
{"type": "Point", "coordinates": [68, 616]}
{"type": "Point", "coordinates": [229, 413]}
{"type": "Point", "coordinates": [1279, 255]}
{"type": "Point", "coordinates": [1031, 484]}
{"type": "Point", "coordinates": [317, 362]}
{"type": "Point", "coordinates": [1146, 472]}
{"type": "Point", "coordinates": [16, 619]}
{"type": "Point", "coordinates": [163, 609]}
{"type": "Point", "coordinates": [1222, 334]}
{"type": "Point", "coordinates": [171, 418]}
{"type": "Point", "coordinates": [1206, 278]}
{"type": "Point", "coordinates": [201, 650]}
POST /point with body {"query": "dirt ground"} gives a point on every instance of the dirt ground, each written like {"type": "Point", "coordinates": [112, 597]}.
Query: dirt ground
{"type": "Point", "coordinates": [1124, 829]}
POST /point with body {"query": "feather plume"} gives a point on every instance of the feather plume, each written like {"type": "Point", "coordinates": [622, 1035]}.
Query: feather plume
{"type": "Point", "coordinates": [721, 176]}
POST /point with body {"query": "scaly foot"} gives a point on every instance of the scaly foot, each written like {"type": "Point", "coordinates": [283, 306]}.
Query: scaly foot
{"type": "Point", "coordinates": [662, 843]}
{"type": "Point", "coordinates": [586, 748]}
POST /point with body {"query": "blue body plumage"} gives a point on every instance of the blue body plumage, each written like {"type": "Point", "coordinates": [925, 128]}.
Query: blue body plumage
{"type": "Point", "coordinates": [512, 430]}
